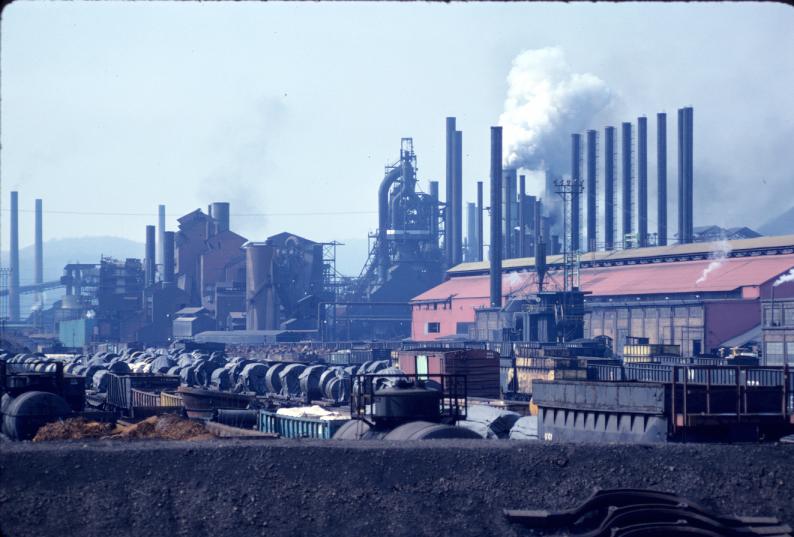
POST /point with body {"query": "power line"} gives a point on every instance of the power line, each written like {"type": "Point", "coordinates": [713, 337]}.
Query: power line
{"type": "Point", "coordinates": [154, 214]}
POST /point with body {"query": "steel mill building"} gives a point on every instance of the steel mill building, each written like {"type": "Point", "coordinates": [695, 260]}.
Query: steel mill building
{"type": "Point", "coordinates": [699, 295]}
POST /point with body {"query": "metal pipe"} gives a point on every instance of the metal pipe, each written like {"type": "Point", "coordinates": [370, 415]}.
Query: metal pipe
{"type": "Point", "coordinates": [383, 221]}
{"type": "Point", "coordinates": [168, 257]}
{"type": "Point", "coordinates": [448, 191]}
{"type": "Point", "coordinates": [495, 248]}
{"type": "Point", "coordinates": [592, 192]}
{"type": "Point", "coordinates": [576, 179]}
{"type": "Point", "coordinates": [457, 189]}
{"type": "Point", "coordinates": [13, 280]}
{"type": "Point", "coordinates": [479, 221]}
{"type": "Point", "coordinates": [434, 217]}
{"type": "Point", "coordinates": [661, 178]}
{"type": "Point", "coordinates": [160, 236]}
{"type": "Point", "coordinates": [149, 264]}
{"type": "Point", "coordinates": [38, 276]}
{"type": "Point", "coordinates": [627, 182]}
{"type": "Point", "coordinates": [609, 188]}
{"type": "Point", "coordinates": [642, 181]}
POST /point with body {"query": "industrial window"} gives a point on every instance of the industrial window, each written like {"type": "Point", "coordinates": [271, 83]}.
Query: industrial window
{"type": "Point", "coordinates": [433, 328]}
{"type": "Point", "coordinates": [421, 366]}
{"type": "Point", "coordinates": [774, 352]}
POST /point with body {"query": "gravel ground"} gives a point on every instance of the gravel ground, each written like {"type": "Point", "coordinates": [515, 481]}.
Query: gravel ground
{"type": "Point", "coordinates": [367, 488]}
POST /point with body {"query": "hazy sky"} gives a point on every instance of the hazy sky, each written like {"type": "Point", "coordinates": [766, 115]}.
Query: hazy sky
{"type": "Point", "coordinates": [295, 108]}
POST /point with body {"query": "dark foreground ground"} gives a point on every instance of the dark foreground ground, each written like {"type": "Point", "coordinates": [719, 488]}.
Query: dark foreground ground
{"type": "Point", "coordinates": [296, 488]}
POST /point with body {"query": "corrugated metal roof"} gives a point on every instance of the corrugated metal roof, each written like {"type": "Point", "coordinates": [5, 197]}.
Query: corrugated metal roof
{"type": "Point", "coordinates": [653, 278]}
{"type": "Point", "coordinates": [704, 248]}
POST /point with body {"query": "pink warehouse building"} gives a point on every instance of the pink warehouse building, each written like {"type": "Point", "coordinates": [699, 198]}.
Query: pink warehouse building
{"type": "Point", "coordinates": [682, 294]}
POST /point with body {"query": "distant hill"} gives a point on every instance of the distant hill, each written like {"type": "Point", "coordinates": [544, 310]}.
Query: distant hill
{"type": "Point", "coordinates": [783, 224]}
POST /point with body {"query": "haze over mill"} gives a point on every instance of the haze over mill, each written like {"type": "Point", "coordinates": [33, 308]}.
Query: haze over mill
{"type": "Point", "coordinates": [409, 268]}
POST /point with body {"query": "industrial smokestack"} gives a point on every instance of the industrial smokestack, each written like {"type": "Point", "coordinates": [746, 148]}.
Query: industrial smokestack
{"type": "Point", "coordinates": [449, 192]}
{"type": "Point", "coordinates": [38, 245]}
{"type": "Point", "coordinates": [160, 236]}
{"type": "Point", "coordinates": [168, 257]}
{"type": "Point", "coordinates": [522, 216]}
{"type": "Point", "coordinates": [457, 189]}
{"type": "Point", "coordinates": [642, 181]}
{"type": "Point", "coordinates": [471, 231]}
{"type": "Point", "coordinates": [540, 246]}
{"type": "Point", "coordinates": [13, 280]}
{"type": "Point", "coordinates": [609, 188]}
{"type": "Point", "coordinates": [510, 216]}
{"type": "Point", "coordinates": [495, 248]}
{"type": "Point", "coordinates": [689, 177]}
{"type": "Point", "coordinates": [592, 191]}
{"type": "Point", "coordinates": [149, 262]}
{"type": "Point", "coordinates": [434, 221]}
{"type": "Point", "coordinates": [661, 178]}
{"type": "Point", "coordinates": [261, 307]}
{"type": "Point", "coordinates": [576, 179]}
{"type": "Point", "coordinates": [626, 190]}
{"type": "Point", "coordinates": [480, 237]}
{"type": "Point", "coordinates": [220, 216]}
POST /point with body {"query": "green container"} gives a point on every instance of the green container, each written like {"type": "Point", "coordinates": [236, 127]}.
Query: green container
{"type": "Point", "coordinates": [291, 427]}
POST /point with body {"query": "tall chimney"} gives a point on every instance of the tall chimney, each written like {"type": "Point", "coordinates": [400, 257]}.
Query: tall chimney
{"type": "Point", "coordinates": [457, 189]}
{"type": "Point", "coordinates": [642, 181]}
{"type": "Point", "coordinates": [661, 178]}
{"type": "Point", "coordinates": [509, 216]}
{"type": "Point", "coordinates": [220, 216]}
{"type": "Point", "coordinates": [38, 245]}
{"type": "Point", "coordinates": [540, 245]}
{"type": "Point", "coordinates": [149, 263]}
{"type": "Point", "coordinates": [689, 161]}
{"type": "Point", "coordinates": [480, 237]}
{"type": "Point", "coordinates": [626, 190]}
{"type": "Point", "coordinates": [471, 231]}
{"type": "Point", "coordinates": [449, 212]}
{"type": "Point", "coordinates": [261, 306]}
{"type": "Point", "coordinates": [495, 248]}
{"type": "Point", "coordinates": [168, 257]}
{"type": "Point", "coordinates": [681, 180]}
{"type": "Point", "coordinates": [522, 216]}
{"type": "Point", "coordinates": [609, 188]}
{"type": "Point", "coordinates": [13, 280]}
{"type": "Point", "coordinates": [592, 191]}
{"type": "Point", "coordinates": [160, 236]}
{"type": "Point", "coordinates": [576, 178]}
{"type": "Point", "coordinates": [434, 217]}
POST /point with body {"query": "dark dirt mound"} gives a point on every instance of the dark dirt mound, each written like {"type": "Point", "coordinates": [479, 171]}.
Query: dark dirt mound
{"type": "Point", "coordinates": [165, 427]}
{"type": "Point", "coordinates": [72, 429]}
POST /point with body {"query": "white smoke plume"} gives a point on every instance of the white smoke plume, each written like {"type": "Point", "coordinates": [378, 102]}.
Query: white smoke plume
{"type": "Point", "coordinates": [718, 257]}
{"type": "Point", "coordinates": [787, 277]}
{"type": "Point", "coordinates": [546, 102]}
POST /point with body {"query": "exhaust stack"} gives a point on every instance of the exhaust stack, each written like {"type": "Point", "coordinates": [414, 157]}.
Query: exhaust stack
{"type": "Point", "coordinates": [627, 186]}
{"type": "Point", "coordinates": [149, 262]}
{"type": "Point", "coordinates": [576, 179]}
{"type": "Point", "coordinates": [449, 196]}
{"type": "Point", "coordinates": [160, 236]}
{"type": "Point", "coordinates": [609, 188]}
{"type": "Point", "coordinates": [168, 257]}
{"type": "Point", "coordinates": [661, 178]}
{"type": "Point", "coordinates": [13, 280]}
{"type": "Point", "coordinates": [495, 248]}
{"type": "Point", "coordinates": [479, 221]}
{"type": "Point", "coordinates": [261, 306]}
{"type": "Point", "coordinates": [642, 181]}
{"type": "Point", "coordinates": [220, 216]}
{"type": "Point", "coordinates": [38, 276]}
{"type": "Point", "coordinates": [592, 191]}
